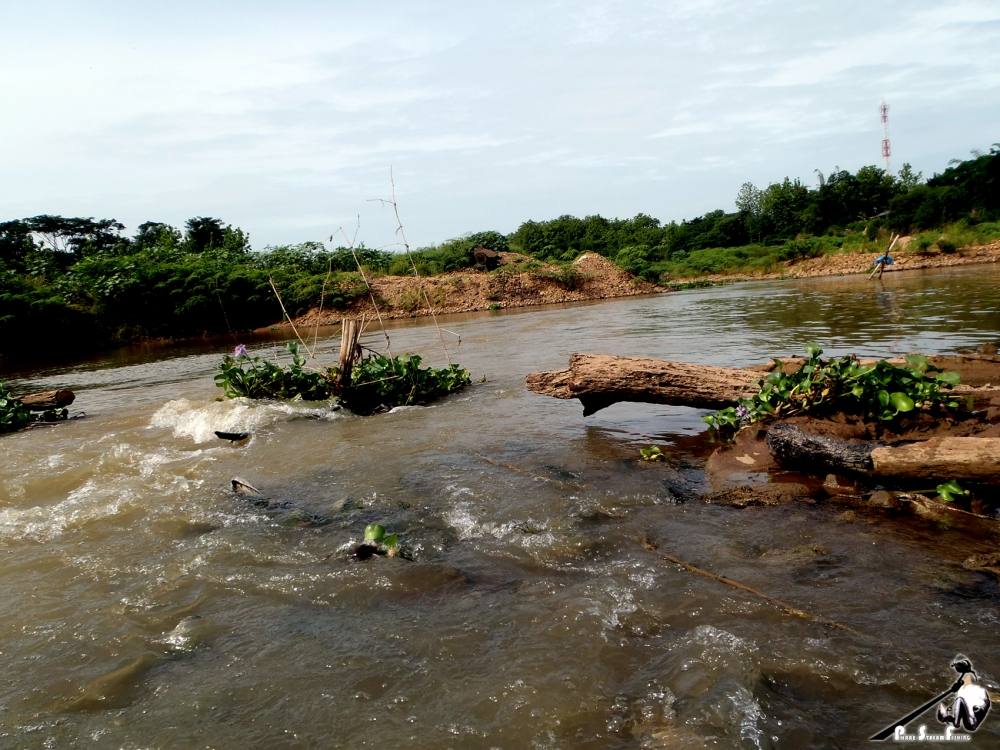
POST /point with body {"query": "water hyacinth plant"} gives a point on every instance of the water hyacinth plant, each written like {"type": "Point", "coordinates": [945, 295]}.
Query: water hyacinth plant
{"type": "Point", "coordinates": [879, 391]}
{"type": "Point", "coordinates": [13, 414]}
{"type": "Point", "coordinates": [378, 383]}
{"type": "Point", "coordinates": [241, 374]}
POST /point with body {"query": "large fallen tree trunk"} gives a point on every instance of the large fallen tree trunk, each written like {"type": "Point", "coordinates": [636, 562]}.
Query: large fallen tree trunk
{"type": "Point", "coordinates": [600, 380]}
{"type": "Point", "coordinates": [975, 459]}
{"type": "Point", "coordinates": [48, 399]}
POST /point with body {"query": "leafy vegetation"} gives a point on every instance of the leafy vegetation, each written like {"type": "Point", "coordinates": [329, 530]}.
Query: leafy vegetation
{"type": "Point", "coordinates": [13, 414]}
{"type": "Point", "coordinates": [378, 383]}
{"type": "Point", "coordinates": [376, 535]}
{"type": "Point", "coordinates": [651, 453]}
{"type": "Point", "coordinates": [879, 391]}
{"type": "Point", "coordinates": [950, 491]}
{"type": "Point", "coordinates": [242, 375]}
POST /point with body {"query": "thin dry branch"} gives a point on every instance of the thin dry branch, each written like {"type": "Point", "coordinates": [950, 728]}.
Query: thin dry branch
{"type": "Point", "coordinates": [780, 604]}
{"type": "Point", "coordinates": [406, 248]}
{"type": "Point", "coordinates": [312, 354]}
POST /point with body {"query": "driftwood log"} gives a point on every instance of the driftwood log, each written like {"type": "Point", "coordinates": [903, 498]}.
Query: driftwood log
{"type": "Point", "coordinates": [975, 459]}
{"type": "Point", "coordinates": [48, 399]}
{"type": "Point", "coordinates": [600, 380]}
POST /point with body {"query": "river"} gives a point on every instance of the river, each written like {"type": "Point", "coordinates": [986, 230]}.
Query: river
{"type": "Point", "coordinates": [144, 605]}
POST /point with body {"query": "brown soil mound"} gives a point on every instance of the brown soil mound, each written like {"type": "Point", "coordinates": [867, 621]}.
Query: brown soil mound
{"type": "Point", "coordinates": [520, 281]}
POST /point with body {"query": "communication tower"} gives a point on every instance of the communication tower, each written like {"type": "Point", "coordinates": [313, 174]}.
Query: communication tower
{"type": "Point", "coordinates": [886, 146]}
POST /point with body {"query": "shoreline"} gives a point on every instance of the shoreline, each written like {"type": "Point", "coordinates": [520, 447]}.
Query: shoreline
{"type": "Point", "coordinates": [600, 279]}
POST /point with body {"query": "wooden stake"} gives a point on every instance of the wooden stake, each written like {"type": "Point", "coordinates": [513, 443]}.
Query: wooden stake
{"type": "Point", "coordinates": [350, 351]}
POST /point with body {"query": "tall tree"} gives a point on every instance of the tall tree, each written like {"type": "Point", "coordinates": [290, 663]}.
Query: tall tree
{"type": "Point", "coordinates": [203, 233]}
{"type": "Point", "coordinates": [749, 205]}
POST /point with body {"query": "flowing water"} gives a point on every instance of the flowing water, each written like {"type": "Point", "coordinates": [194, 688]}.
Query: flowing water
{"type": "Point", "coordinates": [145, 605]}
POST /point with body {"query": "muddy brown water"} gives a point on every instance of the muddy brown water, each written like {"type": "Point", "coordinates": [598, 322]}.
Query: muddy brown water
{"type": "Point", "coordinates": [144, 605]}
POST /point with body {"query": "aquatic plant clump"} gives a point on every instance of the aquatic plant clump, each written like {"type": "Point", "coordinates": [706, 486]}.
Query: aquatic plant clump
{"type": "Point", "coordinates": [879, 392]}
{"type": "Point", "coordinates": [13, 414]}
{"type": "Point", "coordinates": [377, 383]}
{"type": "Point", "coordinates": [241, 374]}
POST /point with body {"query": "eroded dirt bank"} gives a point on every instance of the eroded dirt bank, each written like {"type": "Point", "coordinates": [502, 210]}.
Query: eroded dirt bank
{"type": "Point", "coordinates": [519, 282]}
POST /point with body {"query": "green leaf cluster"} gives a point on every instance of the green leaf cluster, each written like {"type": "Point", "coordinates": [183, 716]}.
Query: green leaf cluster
{"type": "Point", "coordinates": [880, 391]}
{"type": "Point", "coordinates": [379, 383]}
{"type": "Point", "coordinates": [950, 491]}
{"type": "Point", "coordinates": [13, 414]}
{"type": "Point", "coordinates": [254, 377]}
{"type": "Point", "coordinates": [376, 535]}
{"type": "Point", "coordinates": [652, 453]}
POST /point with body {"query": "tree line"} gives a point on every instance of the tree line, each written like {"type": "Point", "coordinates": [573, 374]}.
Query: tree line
{"type": "Point", "coordinates": [84, 280]}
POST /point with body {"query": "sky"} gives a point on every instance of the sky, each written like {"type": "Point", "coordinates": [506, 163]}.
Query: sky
{"type": "Point", "coordinates": [287, 119]}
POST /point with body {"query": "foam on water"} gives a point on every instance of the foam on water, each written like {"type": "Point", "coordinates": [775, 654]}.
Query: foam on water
{"type": "Point", "coordinates": [200, 421]}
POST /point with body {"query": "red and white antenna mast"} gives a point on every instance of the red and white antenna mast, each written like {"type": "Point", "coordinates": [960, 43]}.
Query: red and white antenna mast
{"type": "Point", "coordinates": [886, 146]}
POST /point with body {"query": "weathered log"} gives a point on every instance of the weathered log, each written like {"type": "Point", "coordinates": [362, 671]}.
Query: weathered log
{"type": "Point", "coordinates": [975, 459]}
{"type": "Point", "coordinates": [600, 380]}
{"type": "Point", "coordinates": [48, 399]}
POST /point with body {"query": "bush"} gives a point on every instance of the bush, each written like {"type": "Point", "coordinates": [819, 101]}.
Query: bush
{"type": "Point", "coordinates": [564, 275]}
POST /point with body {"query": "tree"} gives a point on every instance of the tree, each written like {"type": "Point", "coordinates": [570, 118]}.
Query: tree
{"type": "Point", "coordinates": [156, 234]}
{"type": "Point", "coordinates": [749, 205]}
{"type": "Point", "coordinates": [489, 239]}
{"type": "Point", "coordinates": [908, 179]}
{"type": "Point", "coordinates": [15, 243]}
{"type": "Point", "coordinates": [77, 236]}
{"type": "Point", "coordinates": [783, 207]}
{"type": "Point", "coordinates": [203, 233]}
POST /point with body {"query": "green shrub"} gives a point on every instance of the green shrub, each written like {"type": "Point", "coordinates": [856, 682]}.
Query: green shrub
{"type": "Point", "coordinates": [565, 275]}
{"type": "Point", "coordinates": [946, 245]}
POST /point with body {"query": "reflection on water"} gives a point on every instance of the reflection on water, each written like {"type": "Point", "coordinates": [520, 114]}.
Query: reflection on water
{"type": "Point", "coordinates": [146, 605]}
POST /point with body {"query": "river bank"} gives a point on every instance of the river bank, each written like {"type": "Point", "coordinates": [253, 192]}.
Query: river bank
{"type": "Point", "coordinates": [525, 282]}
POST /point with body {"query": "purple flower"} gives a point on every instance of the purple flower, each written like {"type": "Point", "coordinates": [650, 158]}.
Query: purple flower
{"type": "Point", "coordinates": [240, 351]}
{"type": "Point", "coordinates": [742, 412]}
